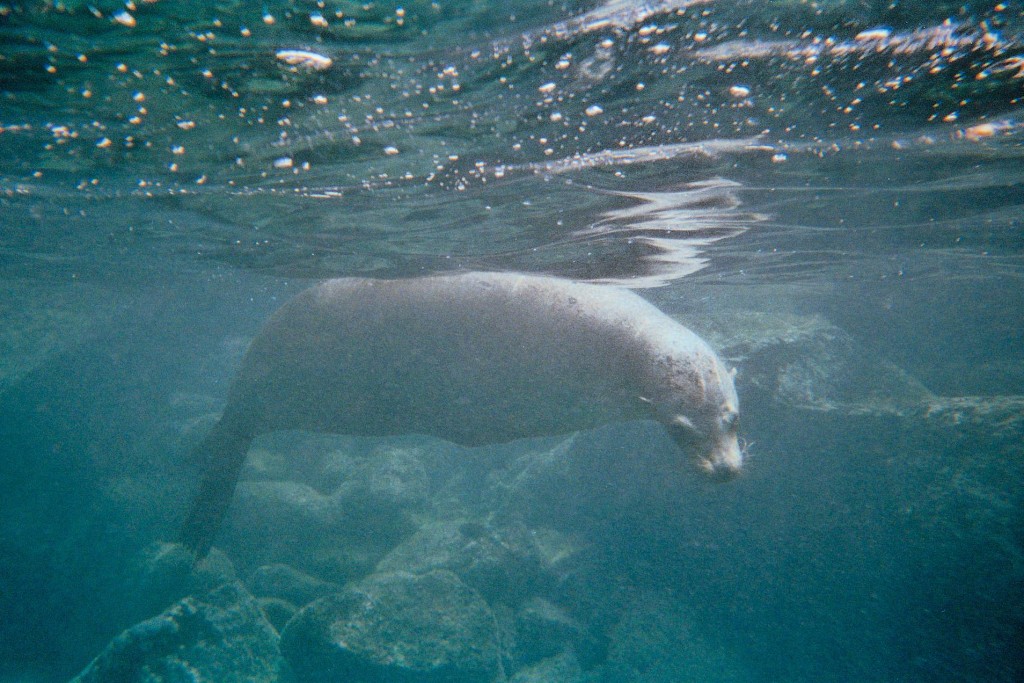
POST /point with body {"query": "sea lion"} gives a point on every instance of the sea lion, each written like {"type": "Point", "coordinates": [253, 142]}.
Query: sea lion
{"type": "Point", "coordinates": [474, 358]}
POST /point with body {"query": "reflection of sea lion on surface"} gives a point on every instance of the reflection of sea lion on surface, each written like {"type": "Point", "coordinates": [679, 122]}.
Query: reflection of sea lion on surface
{"type": "Point", "coordinates": [475, 358]}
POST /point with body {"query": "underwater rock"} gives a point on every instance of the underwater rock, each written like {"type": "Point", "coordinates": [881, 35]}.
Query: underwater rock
{"type": "Point", "coordinates": [39, 321]}
{"type": "Point", "coordinates": [278, 612]}
{"type": "Point", "coordinates": [277, 521]}
{"type": "Point", "coordinates": [807, 362]}
{"type": "Point", "coordinates": [951, 457]}
{"type": "Point", "coordinates": [391, 476]}
{"type": "Point", "coordinates": [291, 523]}
{"type": "Point", "coordinates": [164, 573]}
{"type": "Point", "coordinates": [595, 478]}
{"type": "Point", "coordinates": [287, 583]}
{"type": "Point", "coordinates": [503, 563]}
{"type": "Point", "coordinates": [321, 461]}
{"type": "Point", "coordinates": [279, 504]}
{"type": "Point", "coordinates": [396, 627]}
{"type": "Point", "coordinates": [221, 636]}
{"type": "Point", "coordinates": [1000, 418]}
{"type": "Point", "coordinates": [655, 642]}
{"type": "Point", "coordinates": [433, 546]}
{"type": "Point", "coordinates": [338, 535]}
{"type": "Point", "coordinates": [542, 630]}
{"type": "Point", "coordinates": [562, 668]}
{"type": "Point", "coordinates": [382, 491]}
{"type": "Point", "coordinates": [956, 454]}
{"type": "Point", "coordinates": [969, 462]}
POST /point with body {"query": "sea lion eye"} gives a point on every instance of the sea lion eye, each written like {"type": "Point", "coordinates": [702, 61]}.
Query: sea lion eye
{"type": "Point", "coordinates": [683, 422]}
{"type": "Point", "coordinates": [731, 420]}
{"type": "Point", "coordinates": [682, 429]}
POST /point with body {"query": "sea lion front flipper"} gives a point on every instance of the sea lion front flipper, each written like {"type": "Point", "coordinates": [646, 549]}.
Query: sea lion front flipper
{"type": "Point", "coordinates": [223, 450]}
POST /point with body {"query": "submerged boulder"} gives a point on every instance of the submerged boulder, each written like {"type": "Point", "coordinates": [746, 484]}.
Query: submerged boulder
{"type": "Point", "coordinates": [164, 573]}
{"type": "Point", "coordinates": [804, 361]}
{"type": "Point", "coordinates": [619, 476]}
{"type": "Point", "coordinates": [338, 535]}
{"type": "Point", "coordinates": [543, 630]}
{"type": "Point", "coordinates": [278, 611]}
{"type": "Point", "coordinates": [278, 522]}
{"type": "Point", "coordinates": [39, 321]}
{"type": "Point", "coordinates": [282, 522]}
{"type": "Point", "coordinates": [562, 668]}
{"type": "Point", "coordinates": [656, 641]}
{"type": "Point", "coordinates": [397, 627]}
{"type": "Point", "coordinates": [378, 500]}
{"type": "Point", "coordinates": [221, 636]}
{"type": "Point", "coordinates": [287, 583]}
{"type": "Point", "coordinates": [391, 479]}
{"type": "Point", "coordinates": [502, 563]}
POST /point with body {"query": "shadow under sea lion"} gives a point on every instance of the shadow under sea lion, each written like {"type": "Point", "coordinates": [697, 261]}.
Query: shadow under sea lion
{"type": "Point", "coordinates": [473, 358]}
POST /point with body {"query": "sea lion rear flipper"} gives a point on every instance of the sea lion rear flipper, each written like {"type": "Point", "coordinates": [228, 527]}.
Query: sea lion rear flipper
{"type": "Point", "coordinates": [223, 450]}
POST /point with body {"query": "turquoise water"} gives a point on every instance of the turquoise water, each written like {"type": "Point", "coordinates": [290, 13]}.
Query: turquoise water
{"type": "Point", "coordinates": [830, 193]}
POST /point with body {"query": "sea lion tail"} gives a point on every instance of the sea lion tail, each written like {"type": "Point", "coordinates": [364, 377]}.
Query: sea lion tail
{"type": "Point", "coordinates": [223, 450]}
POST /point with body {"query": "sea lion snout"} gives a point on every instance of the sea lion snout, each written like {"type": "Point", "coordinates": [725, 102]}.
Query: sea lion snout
{"type": "Point", "coordinates": [709, 433]}
{"type": "Point", "coordinates": [725, 461]}
{"type": "Point", "coordinates": [721, 457]}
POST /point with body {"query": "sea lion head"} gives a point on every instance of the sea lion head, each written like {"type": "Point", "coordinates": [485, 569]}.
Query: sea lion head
{"type": "Point", "coordinates": [700, 410]}
{"type": "Point", "coordinates": [714, 444]}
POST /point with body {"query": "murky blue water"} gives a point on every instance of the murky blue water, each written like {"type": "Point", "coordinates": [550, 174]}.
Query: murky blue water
{"type": "Point", "coordinates": [830, 193]}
